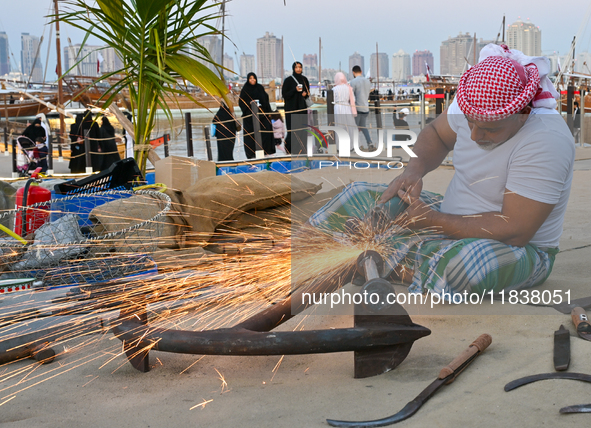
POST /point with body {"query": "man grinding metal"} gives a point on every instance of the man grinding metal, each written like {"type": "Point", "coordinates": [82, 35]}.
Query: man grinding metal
{"type": "Point", "coordinates": [500, 221]}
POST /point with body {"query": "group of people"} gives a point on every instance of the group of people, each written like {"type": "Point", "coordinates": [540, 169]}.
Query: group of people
{"type": "Point", "coordinates": [276, 136]}
{"type": "Point", "coordinates": [103, 146]}
{"type": "Point", "coordinates": [37, 132]}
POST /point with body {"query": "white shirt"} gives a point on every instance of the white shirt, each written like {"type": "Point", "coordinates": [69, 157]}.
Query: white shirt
{"type": "Point", "coordinates": [536, 163]}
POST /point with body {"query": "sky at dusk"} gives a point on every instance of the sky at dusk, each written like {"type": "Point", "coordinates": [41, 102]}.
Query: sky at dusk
{"type": "Point", "coordinates": [346, 26]}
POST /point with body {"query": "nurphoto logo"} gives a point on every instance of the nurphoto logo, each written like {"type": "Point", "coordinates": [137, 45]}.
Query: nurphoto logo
{"type": "Point", "coordinates": [385, 137]}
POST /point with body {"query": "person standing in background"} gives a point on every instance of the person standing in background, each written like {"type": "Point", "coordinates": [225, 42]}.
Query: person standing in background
{"type": "Point", "coordinates": [254, 91]}
{"type": "Point", "coordinates": [295, 91]}
{"type": "Point", "coordinates": [77, 163]}
{"type": "Point", "coordinates": [577, 123]}
{"type": "Point", "coordinates": [361, 87]}
{"type": "Point", "coordinates": [226, 127]}
{"type": "Point", "coordinates": [109, 153]}
{"type": "Point", "coordinates": [94, 134]}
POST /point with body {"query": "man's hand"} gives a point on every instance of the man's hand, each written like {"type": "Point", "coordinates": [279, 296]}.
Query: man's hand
{"type": "Point", "coordinates": [418, 213]}
{"type": "Point", "coordinates": [407, 182]}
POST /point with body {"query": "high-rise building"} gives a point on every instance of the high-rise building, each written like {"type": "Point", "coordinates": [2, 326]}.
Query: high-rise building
{"type": "Point", "coordinates": [246, 64]}
{"type": "Point", "coordinates": [310, 64]}
{"type": "Point", "coordinates": [455, 51]}
{"type": "Point", "coordinates": [328, 74]}
{"type": "Point", "coordinates": [525, 37]}
{"type": "Point", "coordinates": [213, 45]}
{"type": "Point", "coordinates": [420, 60]}
{"type": "Point", "coordinates": [401, 66]}
{"type": "Point", "coordinates": [82, 62]}
{"type": "Point", "coordinates": [356, 59]}
{"type": "Point", "coordinates": [379, 61]}
{"type": "Point", "coordinates": [31, 58]}
{"type": "Point", "coordinates": [229, 64]}
{"type": "Point", "coordinates": [111, 61]}
{"type": "Point", "coordinates": [269, 58]}
{"type": "Point", "coordinates": [4, 54]}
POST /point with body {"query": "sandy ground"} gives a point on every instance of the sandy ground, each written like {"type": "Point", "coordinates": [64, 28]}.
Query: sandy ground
{"type": "Point", "coordinates": [94, 386]}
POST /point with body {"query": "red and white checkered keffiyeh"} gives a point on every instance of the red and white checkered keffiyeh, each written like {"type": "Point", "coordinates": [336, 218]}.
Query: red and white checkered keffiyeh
{"type": "Point", "coordinates": [503, 83]}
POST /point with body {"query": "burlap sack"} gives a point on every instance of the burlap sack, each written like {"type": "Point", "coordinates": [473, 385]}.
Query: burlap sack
{"type": "Point", "coordinates": [215, 200]}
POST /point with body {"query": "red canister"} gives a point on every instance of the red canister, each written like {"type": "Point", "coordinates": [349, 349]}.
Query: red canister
{"type": "Point", "coordinates": [35, 217]}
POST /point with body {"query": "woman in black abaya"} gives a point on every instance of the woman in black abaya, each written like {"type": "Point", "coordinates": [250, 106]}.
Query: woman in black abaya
{"type": "Point", "coordinates": [94, 135]}
{"type": "Point", "coordinates": [225, 133]}
{"type": "Point", "coordinates": [108, 145]}
{"type": "Point", "coordinates": [77, 161]}
{"type": "Point", "coordinates": [295, 91]}
{"type": "Point", "coordinates": [253, 91]}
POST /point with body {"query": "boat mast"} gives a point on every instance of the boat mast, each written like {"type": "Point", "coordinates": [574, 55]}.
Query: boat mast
{"type": "Point", "coordinates": [60, 90]}
{"type": "Point", "coordinates": [474, 49]}
{"type": "Point", "coordinates": [223, 32]}
{"type": "Point", "coordinates": [503, 29]}
{"type": "Point", "coordinates": [378, 68]}
{"type": "Point", "coordinates": [320, 64]}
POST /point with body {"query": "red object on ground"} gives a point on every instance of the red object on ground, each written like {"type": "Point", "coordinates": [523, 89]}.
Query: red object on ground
{"type": "Point", "coordinates": [35, 217]}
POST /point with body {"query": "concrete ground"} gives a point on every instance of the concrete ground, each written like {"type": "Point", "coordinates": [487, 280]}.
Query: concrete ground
{"type": "Point", "coordinates": [92, 385]}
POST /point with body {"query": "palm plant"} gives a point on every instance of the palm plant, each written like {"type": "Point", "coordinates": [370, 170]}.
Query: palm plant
{"type": "Point", "coordinates": [157, 42]}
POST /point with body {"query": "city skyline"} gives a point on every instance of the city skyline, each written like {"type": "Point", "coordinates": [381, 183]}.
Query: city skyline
{"type": "Point", "coordinates": [419, 31]}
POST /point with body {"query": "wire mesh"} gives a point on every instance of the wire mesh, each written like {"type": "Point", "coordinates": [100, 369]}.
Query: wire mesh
{"type": "Point", "coordinates": [85, 238]}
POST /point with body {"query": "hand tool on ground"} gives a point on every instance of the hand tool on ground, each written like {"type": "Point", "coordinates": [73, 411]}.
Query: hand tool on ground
{"type": "Point", "coordinates": [578, 408]}
{"type": "Point", "coordinates": [561, 349]}
{"type": "Point", "coordinates": [543, 376]}
{"type": "Point", "coordinates": [581, 322]}
{"type": "Point", "coordinates": [567, 307]}
{"type": "Point", "coordinates": [446, 376]}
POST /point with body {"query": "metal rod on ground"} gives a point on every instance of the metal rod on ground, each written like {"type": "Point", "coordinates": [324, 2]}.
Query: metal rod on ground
{"type": "Point", "coordinates": [166, 150]}
{"type": "Point", "coordinates": [207, 143]}
{"type": "Point", "coordinates": [189, 133]}
{"type": "Point", "coordinates": [582, 119]}
{"type": "Point", "coordinates": [50, 154]}
{"type": "Point", "coordinates": [87, 152]}
{"type": "Point", "coordinates": [256, 126]}
{"type": "Point", "coordinates": [14, 168]}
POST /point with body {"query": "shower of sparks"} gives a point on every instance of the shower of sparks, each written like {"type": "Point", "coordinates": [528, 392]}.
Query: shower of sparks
{"type": "Point", "coordinates": [484, 179]}
{"type": "Point", "coordinates": [504, 217]}
{"type": "Point", "coordinates": [202, 404]}
{"type": "Point", "coordinates": [225, 387]}
{"type": "Point", "coordinates": [96, 377]}
{"type": "Point", "coordinates": [254, 271]}
{"type": "Point", "coordinates": [195, 362]}
{"type": "Point", "coordinates": [276, 368]}
{"type": "Point", "coordinates": [6, 401]}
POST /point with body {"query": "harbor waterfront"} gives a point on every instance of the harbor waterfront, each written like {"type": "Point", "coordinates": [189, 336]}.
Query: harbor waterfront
{"type": "Point", "coordinates": [435, 277]}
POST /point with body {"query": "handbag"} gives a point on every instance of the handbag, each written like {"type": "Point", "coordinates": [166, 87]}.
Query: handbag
{"type": "Point", "coordinates": [308, 99]}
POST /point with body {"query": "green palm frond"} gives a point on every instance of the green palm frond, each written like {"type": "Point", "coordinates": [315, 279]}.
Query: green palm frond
{"type": "Point", "coordinates": [157, 42]}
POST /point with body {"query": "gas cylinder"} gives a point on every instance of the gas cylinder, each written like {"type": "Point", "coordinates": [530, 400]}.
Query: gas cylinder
{"type": "Point", "coordinates": [35, 217]}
